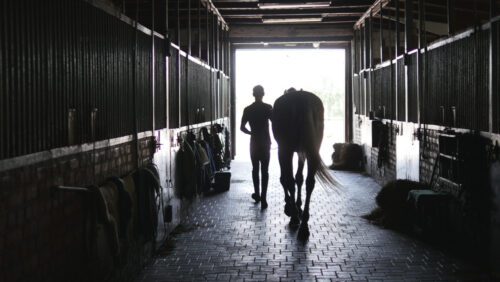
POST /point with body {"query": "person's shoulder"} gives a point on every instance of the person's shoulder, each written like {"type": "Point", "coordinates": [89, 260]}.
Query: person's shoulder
{"type": "Point", "coordinates": [268, 106]}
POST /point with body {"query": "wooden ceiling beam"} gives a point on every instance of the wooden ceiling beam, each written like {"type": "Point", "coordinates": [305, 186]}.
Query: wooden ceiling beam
{"type": "Point", "coordinates": [308, 11]}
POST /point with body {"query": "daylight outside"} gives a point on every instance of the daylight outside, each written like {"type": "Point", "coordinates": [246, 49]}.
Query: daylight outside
{"type": "Point", "coordinates": [320, 71]}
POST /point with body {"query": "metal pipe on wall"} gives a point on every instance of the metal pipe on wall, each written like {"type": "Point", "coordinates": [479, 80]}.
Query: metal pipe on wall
{"type": "Point", "coordinates": [189, 26]}
{"type": "Point", "coordinates": [199, 29]}
{"type": "Point", "coordinates": [396, 54]}
{"type": "Point", "coordinates": [409, 43]}
{"type": "Point", "coordinates": [493, 118]}
{"type": "Point", "coordinates": [207, 34]}
{"type": "Point", "coordinates": [408, 46]}
{"type": "Point", "coordinates": [349, 95]}
{"type": "Point", "coordinates": [370, 96]}
{"type": "Point", "coordinates": [134, 81]}
{"type": "Point", "coordinates": [381, 34]}
{"type": "Point", "coordinates": [153, 65]}
{"type": "Point", "coordinates": [178, 64]}
{"type": "Point", "coordinates": [450, 11]}
{"type": "Point", "coordinates": [421, 30]}
{"type": "Point", "coordinates": [186, 71]}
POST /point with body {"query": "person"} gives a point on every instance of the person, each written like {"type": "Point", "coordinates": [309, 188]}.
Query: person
{"type": "Point", "coordinates": [258, 115]}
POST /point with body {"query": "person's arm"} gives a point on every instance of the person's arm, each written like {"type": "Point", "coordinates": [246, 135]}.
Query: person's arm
{"type": "Point", "coordinates": [244, 120]}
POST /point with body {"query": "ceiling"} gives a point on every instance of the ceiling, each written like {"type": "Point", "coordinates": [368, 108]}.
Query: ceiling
{"type": "Point", "coordinates": [241, 12]}
{"type": "Point", "coordinates": [291, 21]}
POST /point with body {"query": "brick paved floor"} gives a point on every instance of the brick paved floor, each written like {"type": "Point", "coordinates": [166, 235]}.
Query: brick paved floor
{"type": "Point", "coordinates": [228, 237]}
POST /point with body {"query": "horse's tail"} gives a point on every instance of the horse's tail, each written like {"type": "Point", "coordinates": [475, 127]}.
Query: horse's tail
{"type": "Point", "coordinates": [324, 176]}
{"type": "Point", "coordinates": [311, 127]}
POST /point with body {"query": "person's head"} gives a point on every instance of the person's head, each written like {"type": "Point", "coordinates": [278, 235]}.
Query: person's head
{"type": "Point", "coordinates": [258, 92]}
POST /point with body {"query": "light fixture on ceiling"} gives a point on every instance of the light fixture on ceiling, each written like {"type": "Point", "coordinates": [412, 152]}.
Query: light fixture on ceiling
{"type": "Point", "coordinates": [316, 44]}
{"type": "Point", "coordinates": [291, 20]}
{"type": "Point", "coordinates": [293, 5]}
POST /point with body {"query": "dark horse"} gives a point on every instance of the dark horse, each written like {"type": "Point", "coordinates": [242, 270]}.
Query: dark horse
{"type": "Point", "coordinates": [298, 124]}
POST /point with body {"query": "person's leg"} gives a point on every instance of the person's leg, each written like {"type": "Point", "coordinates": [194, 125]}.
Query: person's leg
{"type": "Point", "coordinates": [255, 173]}
{"type": "Point", "coordinates": [265, 176]}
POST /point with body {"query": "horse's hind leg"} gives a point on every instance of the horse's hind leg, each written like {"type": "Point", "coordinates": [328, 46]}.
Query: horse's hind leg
{"type": "Point", "coordinates": [286, 158]}
{"type": "Point", "coordinates": [303, 233]}
{"type": "Point", "coordinates": [299, 180]}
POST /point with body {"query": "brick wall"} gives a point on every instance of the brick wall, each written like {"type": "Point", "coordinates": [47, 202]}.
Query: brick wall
{"type": "Point", "coordinates": [387, 171]}
{"type": "Point", "coordinates": [41, 231]}
{"type": "Point", "coordinates": [430, 149]}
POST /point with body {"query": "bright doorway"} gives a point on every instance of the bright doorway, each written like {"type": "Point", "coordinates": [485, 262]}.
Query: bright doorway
{"type": "Point", "coordinates": [320, 71]}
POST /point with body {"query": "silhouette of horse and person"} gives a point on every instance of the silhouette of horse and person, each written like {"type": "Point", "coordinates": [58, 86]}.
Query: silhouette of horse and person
{"type": "Point", "coordinates": [297, 119]}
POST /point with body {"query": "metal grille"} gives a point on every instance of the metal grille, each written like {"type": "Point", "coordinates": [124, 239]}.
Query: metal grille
{"type": "Point", "coordinates": [362, 92]}
{"type": "Point", "coordinates": [436, 99]}
{"type": "Point", "coordinates": [412, 89]}
{"type": "Point", "coordinates": [386, 92]}
{"type": "Point", "coordinates": [199, 96]}
{"type": "Point", "coordinates": [204, 92]}
{"type": "Point", "coordinates": [496, 94]}
{"type": "Point", "coordinates": [183, 98]}
{"type": "Point", "coordinates": [67, 76]}
{"type": "Point", "coordinates": [400, 90]}
{"type": "Point", "coordinates": [482, 82]}
{"type": "Point", "coordinates": [160, 85]}
{"type": "Point", "coordinates": [457, 90]}
{"type": "Point", "coordinates": [382, 93]}
{"type": "Point", "coordinates": [193, 92]}
{"type": "Point", "coordinates": [355, 93]}
{"type": "Point", "coordinates": [173, 88]}
{"type": "Point", "coordinates": [214, 94]}
{"type": "Point", "coordinates": [227, 96]}
{"type": "Point", "coordinates": [144, 98]}
{"type": "Point", "coordinates": [376, 97]}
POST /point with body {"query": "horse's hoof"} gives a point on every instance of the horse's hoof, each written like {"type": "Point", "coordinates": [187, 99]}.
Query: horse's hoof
{"type": "Point", "coordinates": [303, 234]}
{"type": "Point", "coordinates": [294, 222]}
{"type": "Point", "coordinates": [288, 209]}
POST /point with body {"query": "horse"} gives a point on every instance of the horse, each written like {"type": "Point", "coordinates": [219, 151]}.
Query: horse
{"type": "Point", "coordinates": [298, 124]}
